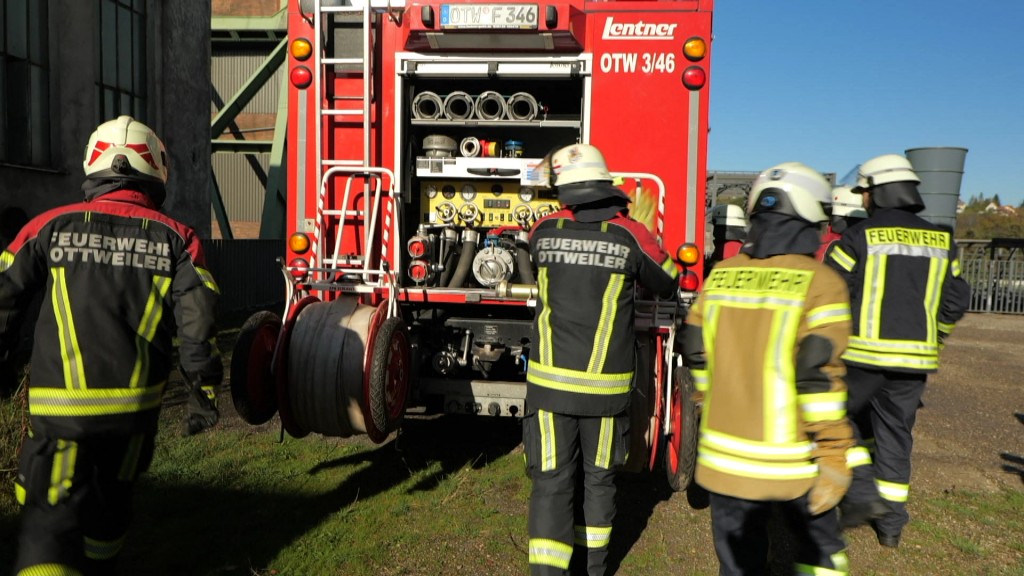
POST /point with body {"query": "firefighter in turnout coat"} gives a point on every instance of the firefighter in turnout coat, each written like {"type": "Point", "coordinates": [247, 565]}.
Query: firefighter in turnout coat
{"type": "Point", "coordinates": [764, 341]}
{"type": "Point", "coordinates": [118, 277]}
{"type": "Point", "coordinates": [589, 256]}
{"type": "Point", "coordinates": [906, 294]}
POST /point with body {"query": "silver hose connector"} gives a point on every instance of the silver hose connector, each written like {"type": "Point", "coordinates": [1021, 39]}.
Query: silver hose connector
{"type": "Point", "coordinates": [459, 106]}
{"type": "Point", "coordinates": [427, 106]}
{"type": "Point", "coordinates": [491, 105]}
{"type": "Point", "coordinates": [522, 106]}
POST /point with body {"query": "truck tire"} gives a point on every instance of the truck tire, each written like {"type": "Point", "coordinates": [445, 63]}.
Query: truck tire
{"type": "Point", "coordinates": [252, 381]}
{"type": "Point", "coordinates": [387, 380]}
{"type": "Point", "coordinates": [679, 451]}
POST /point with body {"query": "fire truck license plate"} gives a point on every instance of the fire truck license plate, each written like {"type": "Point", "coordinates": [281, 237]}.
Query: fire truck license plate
{"type": "Point", "coordinates": [489, 16]}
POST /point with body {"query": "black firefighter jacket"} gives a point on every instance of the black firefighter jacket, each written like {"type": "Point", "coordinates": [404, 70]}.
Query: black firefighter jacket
{"type": "Point", "coordinates": [906, 292]}
{"type": "Point", "coordinates": [119, 276]}
{"type": "Point", "coordinates": [583, 350]}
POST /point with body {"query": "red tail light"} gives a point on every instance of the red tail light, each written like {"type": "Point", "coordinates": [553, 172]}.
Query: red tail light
{"type": "Point", "coordinates": [694, 78]}
{"type": "Point", "coordinates": [688, 281]}
{"type": "Point", "coordinates": [299, 268]}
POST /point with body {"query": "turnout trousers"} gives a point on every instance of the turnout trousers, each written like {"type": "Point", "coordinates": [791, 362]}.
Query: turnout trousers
{"type": "Point", "coordinates": [883, 405]}
{"type": "Point", "coordinates": [740, 529]}
{"type": "Point", "coordinates": [76, 499]}
{"type": "Point", "coordinates": [572, 462]}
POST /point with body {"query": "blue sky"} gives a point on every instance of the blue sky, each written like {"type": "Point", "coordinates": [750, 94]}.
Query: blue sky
{"type": "Point", "coordinates": [832, 83]}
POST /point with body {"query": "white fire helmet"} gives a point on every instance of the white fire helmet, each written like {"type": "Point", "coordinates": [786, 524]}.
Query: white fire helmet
{"type": "Point", "coordinates": [578, 163]}
{"type": "Point", "coordinates": [125, 147]}
{"type": "Point", "coordinates": [847, 204]}
{"type": "Point", "coordinates": [791, 188]}
{"type": "Point", "coordinates": [728, 215]}
{"type": "Point", "coordinates": [883, 170]}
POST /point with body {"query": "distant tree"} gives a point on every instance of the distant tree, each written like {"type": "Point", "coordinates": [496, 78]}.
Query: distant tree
{"type": "Point", "coordinates": [996, 200]}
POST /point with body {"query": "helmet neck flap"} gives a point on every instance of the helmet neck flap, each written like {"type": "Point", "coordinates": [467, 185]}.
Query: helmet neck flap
{"type": "Point", "coordinates": [776, 233]}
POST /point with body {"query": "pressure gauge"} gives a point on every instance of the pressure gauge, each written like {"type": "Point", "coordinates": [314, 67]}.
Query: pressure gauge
{"type": "Point", "coordinates": [448, 191]}
{"type": "Point", "coordinates": [468, 192]}
{"type": "Point", "coordinates": [526, 194]}
{"type": "Point", "coordinates": [431, 191]}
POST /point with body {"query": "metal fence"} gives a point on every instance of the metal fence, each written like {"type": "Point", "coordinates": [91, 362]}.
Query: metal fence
{"type": "Point", "coordinates": [248, 274]}
{"type": "Point", "coordinates": [995, 271]}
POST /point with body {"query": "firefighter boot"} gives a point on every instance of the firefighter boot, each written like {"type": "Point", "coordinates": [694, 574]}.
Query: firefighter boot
{"type": "Point", "coordinates": [853, 513]}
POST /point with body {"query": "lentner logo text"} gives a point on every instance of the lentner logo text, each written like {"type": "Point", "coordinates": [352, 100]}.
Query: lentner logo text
{"type": "Point", "coordinates": [637, 31]}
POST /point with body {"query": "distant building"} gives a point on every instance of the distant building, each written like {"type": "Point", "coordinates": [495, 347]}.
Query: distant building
{"type": "Point", "coordinates": [68, 65]}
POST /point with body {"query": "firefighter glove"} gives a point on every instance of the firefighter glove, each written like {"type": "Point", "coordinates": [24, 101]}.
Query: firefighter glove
{"type": "Point", "coordinates": [202, 406]}
{"type": "Point", "coordinates": [833, 480]}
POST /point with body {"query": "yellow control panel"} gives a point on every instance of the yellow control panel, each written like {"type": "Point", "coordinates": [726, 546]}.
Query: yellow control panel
{"type": "Point", "coordinates": [482, 203]}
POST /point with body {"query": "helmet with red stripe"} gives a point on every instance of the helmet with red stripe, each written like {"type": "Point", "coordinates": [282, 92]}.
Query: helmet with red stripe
{"type": "Point", "coordinates": [125, 148]}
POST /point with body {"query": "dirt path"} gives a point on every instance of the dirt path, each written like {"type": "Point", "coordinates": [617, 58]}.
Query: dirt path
{"type": "Point", "coordinates": [968, 435]}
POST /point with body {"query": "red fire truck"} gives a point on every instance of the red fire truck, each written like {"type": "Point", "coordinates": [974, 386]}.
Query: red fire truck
{"type": "Point", "coordinates": [416, 138]}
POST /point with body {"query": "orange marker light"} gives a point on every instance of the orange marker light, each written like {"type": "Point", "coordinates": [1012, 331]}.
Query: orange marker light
{"type": "Point", "coordinates": [688, 254]}
{"type": "Point", "coordinates": [298, 243]}
{"type": "Point", "coordinates": [695, 49]}
{"type": "Point", "coordinates": [301, 49]}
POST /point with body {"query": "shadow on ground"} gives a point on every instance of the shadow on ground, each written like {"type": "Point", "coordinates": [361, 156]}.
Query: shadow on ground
{"type": "Point", "coordinates": [1014, 463]}
{"type": "Point", "coordinates": [224, 532]}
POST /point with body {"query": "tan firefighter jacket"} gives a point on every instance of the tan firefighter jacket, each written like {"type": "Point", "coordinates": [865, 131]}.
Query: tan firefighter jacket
{"type": "Point", "coordinates": [764, 340]}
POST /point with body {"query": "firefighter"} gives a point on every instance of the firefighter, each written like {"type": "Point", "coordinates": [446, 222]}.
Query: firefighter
{"type": "Point", "coordinates": [118, 277]}
{"type": "Point", "coordinates": [847, 210]}
{"type": "Point", "coordinates": [906, 294]}
{"type": "Point", "coordinates": [589, 256]}
{"type": "Point", "coordinates": [728, 231]}
{"type": "Point", "coordinates": [764, 341]}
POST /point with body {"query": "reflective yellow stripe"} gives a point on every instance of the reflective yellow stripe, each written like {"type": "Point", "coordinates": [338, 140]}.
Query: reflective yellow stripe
{"type": "Point", "coordinates": [74, 371]}
{"type": "Point", "coordinates": [823, 406]}
{"type": "Point", "coordinates": [818, 570]}
{"type": "Point", "coordinates": [891, 360]}
{"type": "Point", "coordinates": [544, 347]}
{"type": "Point", "coordinates": [753, 449]}
{"type": "Point", "coordinates": [829, 314]}
{"type": "Point", "coordinates": [874, 292]}
{"type": "Point", "coordinates": [753, 469]}
{"type": "Point", "coordinates": [19, 493]}
{"type": "Point", "coordinates": [605, 443]}
{"type": "Point", "coordinates": [670, 267]}
{"type": "Point", "coordinates": [6, 259]}
{"type": "Point", "coordinates": [93, 402]}
{"type": "Point", "coordinates": [946, 328]}
{"type": "Point", "coordinates": [933, 296]}
{"type": "Point", "coordinates": [49, 570]}
{"type": "Point", "coordinates": [63, 471]}
{"type": "Point", "coordinates": [550, 553]}
{"type": "Point", "coordinates": [893, 491]}
{"type": "Point", "coordinates": [840, 257]}
{"type": "Point", "coordinates": [102, 549]}
{"type": "Point", "coordinates": [207, 279]}
{"type": "Point", "coordinates": [857, 456]}
{"type": "Point", "coordinates": [578, 381]}
{"type": "Point", "coordinates": [605, 322]}
{"type": "Point", "coordinates": [592, 536]}
{"type": "Point", "coordinates": [955, 265]}
{"type": "Point", "coordinates": [148, 325]}
{"type": "Point", "coordinates": [700, 379]}
{"type": "Point", "coordinates": [779, 407]}
{"type": "Point", "coordinates": [548, 445]}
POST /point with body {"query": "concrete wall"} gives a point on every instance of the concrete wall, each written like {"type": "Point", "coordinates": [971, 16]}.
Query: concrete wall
{"type": "Point", "coordinates": [179, 109]}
